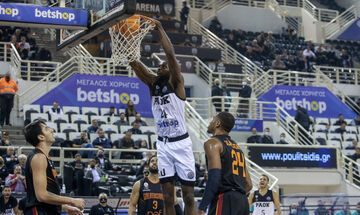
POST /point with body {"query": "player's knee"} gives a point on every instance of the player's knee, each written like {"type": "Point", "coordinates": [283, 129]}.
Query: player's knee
{"type": "Point", "coordinates": [168, 199]}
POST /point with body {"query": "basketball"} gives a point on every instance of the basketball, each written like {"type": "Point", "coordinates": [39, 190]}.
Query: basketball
{"type": "Point", "coordinates": [128, 27]}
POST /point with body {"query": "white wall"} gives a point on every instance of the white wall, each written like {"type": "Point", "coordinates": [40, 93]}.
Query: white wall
{"type": "Point", "coordinates": [199, 88]}
{"type": "Point", "coordinates": [249, 19]}
{"type": "Point", "coordinates": [312, 27]}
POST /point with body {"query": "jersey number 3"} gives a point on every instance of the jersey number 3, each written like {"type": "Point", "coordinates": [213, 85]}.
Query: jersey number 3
{"type": "Point", "coordinates": [155, 204]}
{"type": "Point", "coordinates": [238, 162]}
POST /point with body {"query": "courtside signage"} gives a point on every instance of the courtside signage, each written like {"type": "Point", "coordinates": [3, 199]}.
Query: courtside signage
{"type": "Point", "coordinates": [100, 91]}
{"type": "Point", "coordinates": [247, 124]}
{"type": "Point", "coordinates": [298, 157]}
{"type": "Point", "coordinates": [44, 15]}
{"type": "Point", "coordinates": [318, 101]}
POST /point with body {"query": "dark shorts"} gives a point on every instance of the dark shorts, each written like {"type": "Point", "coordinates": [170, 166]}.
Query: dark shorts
{"type": "Point", "coordinates": [230, 203]}
{"type": "Point", "coordinates": [39, 211]}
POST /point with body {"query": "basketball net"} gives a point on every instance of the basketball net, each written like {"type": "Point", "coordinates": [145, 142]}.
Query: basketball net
{"type": "Point", "coordinates": [126, 37]}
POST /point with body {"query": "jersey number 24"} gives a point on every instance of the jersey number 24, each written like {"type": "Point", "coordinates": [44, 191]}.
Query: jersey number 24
{"type": "Point", "coordinates": [238, 161]}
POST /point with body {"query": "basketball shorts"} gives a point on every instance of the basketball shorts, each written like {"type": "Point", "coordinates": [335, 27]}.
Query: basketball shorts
{"type": "Point", "coordinates": [176, 158]}
{"type": "Point", "coordinates": [230, 203]}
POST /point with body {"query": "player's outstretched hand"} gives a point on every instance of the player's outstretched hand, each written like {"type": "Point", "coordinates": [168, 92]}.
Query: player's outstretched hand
{"type": "Point", "coordinates": [157, 23]}
{"type": "Point", "coordinates": [78, 203]}
{"type": "Point", "coordinates": [70, 210]}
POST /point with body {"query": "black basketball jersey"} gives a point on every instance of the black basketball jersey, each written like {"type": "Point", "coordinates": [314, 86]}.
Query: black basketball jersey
{"type": "Point", "coordinates": [263, 204]}
{"type": "Point", "coordinates": [151, 199]}
{"type": "Point", "coordinates": [233, 167]}
{"type": "Point", "coordinates": [52, 185]}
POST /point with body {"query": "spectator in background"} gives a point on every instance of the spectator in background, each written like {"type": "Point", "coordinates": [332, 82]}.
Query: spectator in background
{"type": "Point", "coordinates": [102, 141]}
{"type": "Point", "coordinates": [340, 120]}
{"type": "Point", "coordinates": [78, 173]}
{"type": "Point", "coordinates": [3, 171]}
{"type": "Point", "coordinates": [184, 14]}
{"type": "Point", "coordinates": [309, 56]}
{"type": "Point", "coordinates": [33, 47]}
{"type": "Point", "coordinates": [16, 181]}
{"type": "Point", "coordinates": [353, 146]}
{"type": "Point", "coordinates": [122, 120]}
{"type": "Point", "coordinates": [10, 158]}
{"type": "Point", "coordinates": [216, 91]}
{"type": "Point", "coordinates": [345, 59]}
{"type": "Point", "coordinates": [8, 89]}
{"type": "Point", "coordinates": [254, 138]}
{"type": "Point", "coordinates": [111, 112]}
{"type": "Point", "coordinates": [187, 43]}
{"type": "Point", "coordinates": [356, 155]}
{"type": "Point", "coordinates": [282, 139]}
{"type": "Point", "coordinates": [357, 120]}
{"type": "Point", "coordinates": [302, 117]}
{"type": "Point", "coordinates": [4, 141]}
{"type": "Point", "coordinates": [23, 52]}
{"type": "Point", "coordinates": [93, 127]}
{"type": "Point", "coordinates": [45, 54]}
{"type": "Point", "coordinates": [127, 143]}
{"type": "Point", "coordinates": [278, 64]}
{"type": "Point", "coordinates": [341, 129]}
{"type": "Point", "coordinates": [226, 94]}
{"type": "Point", "coordinates": [130, 110]}
{"type": "Point", "coordinates": [327, 129]}
{"type": "Point", "coordinates": [103, 162]}
{"type": "Point", "coordinates": [135, 128]}
{"type": "Point", "coordinates": [321, 210]}
{"type": "Point", "coordinates": [8, 203]}
{"type": "Point", "coordinates": [96, 174]}
{"type": "Point", "coordinates": [83, 142]}
{"type": "Point", "coordinates": [138, 120]}
{"type": "Point", "coordinates": [22, 163]}
{"type": "Point", "coordinates": [26, 44]}
{"type": "Point", "coordinates": [357, 210]}
{"type": "Point", "coordinates": [245, 92]}
{"type": "Point", "coordinates": [345, 210]}
{"type": "Point", "coordinates": [215, 26]}
{"type": "Point", "coordinates": [231, 40]}
{"type": "Point", "coordinates": [266, 138]}
{"type": "Point", "coordinates": [14, 42]}
{"type": "Point", "coordinates": [102, 208]}
{"type": "Point", "coordinates": [55, 110]}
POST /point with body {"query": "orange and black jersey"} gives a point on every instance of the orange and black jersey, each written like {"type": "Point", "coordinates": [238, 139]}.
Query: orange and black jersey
{"type": "Point", "coordinates": [233, 168]}
{"type": "Point", "coordinates": [151, 199]}
{"type": "Point", "coordinates": [52, 186]}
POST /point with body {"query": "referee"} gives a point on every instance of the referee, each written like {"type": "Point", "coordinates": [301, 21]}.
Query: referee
{"type": "Point", "coordinates": [43, 191]}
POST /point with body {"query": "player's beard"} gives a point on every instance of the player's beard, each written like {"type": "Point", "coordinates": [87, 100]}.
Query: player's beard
{"type": "Point", "coordinates": [163, 78]}
{"type": "Point", "coordinates": [154, 170]}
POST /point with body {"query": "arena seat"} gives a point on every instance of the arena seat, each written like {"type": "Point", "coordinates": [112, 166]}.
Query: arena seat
{"type": "Point", "coordinates": [153, 139]}
{"type": "Point", "coordinates": [334, 136]}
{"type": "Point", "coordinates": [93, 136]}
{"type": "Point", "coordinates": [110, 129]}
{"type": "Point", "coordinates": [125, 128]}
{"type": "Point", "coordinates": [74, 135]}
{"type": "Point", "coordinates": [101, 119]}
{"type": "Point", "coordinates": [352, 129]}
{"type": "Point", "coordinates": [84, 127]}
{"type": "Point", "coordinates": [90, 111]}
{"type": "Point", "coordinates": [71, 110]}
{"type": "Point", "coordinates": [322, 121]}
{"type": "Point", "coordinates": [148, 129]}
{"type": "Point", "coordinates": [349, 137]}
{"type": "Point", "coordinates": [46, 108]}
{"type": "Point", "coordinates": [39, 116]}
{"type": "Point", "coordinates": [53, 126]}
{"type": "Point", "coordinates": [116, 137]}
{"type": "Point", "coordinates": [104, 111]}
{"type": "Point", "coordinates": [334, 143]}
{"type": "Point", "coordinates": [140, 137]}
{"type": "Point", "coordinates": [319, 128]}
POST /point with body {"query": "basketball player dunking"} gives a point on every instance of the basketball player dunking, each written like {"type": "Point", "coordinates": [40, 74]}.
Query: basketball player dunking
{"type": "Point", "coordinates": [263, 200]}
{"type": "Point", "coordinates": [174, 146]}
{"type": "Point", "coordinates": [228, 178]}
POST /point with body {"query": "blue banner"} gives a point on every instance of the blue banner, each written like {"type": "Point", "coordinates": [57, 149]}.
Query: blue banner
{"type": "Point", "coordinates": [352, 32]}
{"type": "Point", "coordinates": [318, 101]}
{"type": "Point", "coordinates": [247, 124]}
{"type": "Point", "coordinates": [43, 15]}
{"type": "Point", "coordinates": [100, 91]}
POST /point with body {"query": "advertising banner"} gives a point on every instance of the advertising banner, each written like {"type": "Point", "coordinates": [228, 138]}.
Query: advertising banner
{"type": "Point", "coordinates": [43, 15]}
{"type": "Point", "coordinates": [352, 32]}
{"type": "Point", "coordinates": [318, 101]}
{"type": "Point", "coordinates": [186, 63]}
{"type": "Point", "coordinates": [296, 157]}
{"type": "Point", "coordinates": [163, 7]}
{"type": "Point", "coordinates": [247, 124]}
{"type": "Point", "coordinates": [100, 91]}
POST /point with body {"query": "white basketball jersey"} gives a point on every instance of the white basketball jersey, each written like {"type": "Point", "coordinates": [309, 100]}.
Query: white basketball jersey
{"type": "Point", "coordinates": [263, 205]}
{"type": "Point", "coordinates": [169, 111]}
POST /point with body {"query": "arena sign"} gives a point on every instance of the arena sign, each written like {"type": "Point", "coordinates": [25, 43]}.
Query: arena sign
{"type": "Point", "coordinates": [318, 101]}
{"type": "Point", "coordinates": [163, 7]}
{"type": "Point", "coordinates": [248, 125]}
{"type": "Point", "coordinates": [100, 91]}
{"type": "Point", "coordinates": [36, 16]}
{"type": "Point", "coordinates": [299, 157]}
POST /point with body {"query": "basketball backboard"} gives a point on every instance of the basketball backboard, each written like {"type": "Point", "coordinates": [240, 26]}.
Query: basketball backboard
{"type": "Point", "coordinates": [103, 15]}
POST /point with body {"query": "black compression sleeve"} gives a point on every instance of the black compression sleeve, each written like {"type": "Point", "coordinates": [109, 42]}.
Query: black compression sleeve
{"type": "Point", "coordinates": [211, 188]}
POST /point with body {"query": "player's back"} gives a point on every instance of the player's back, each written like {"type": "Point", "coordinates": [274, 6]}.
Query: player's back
{"type": "Point", "coordinates": [233, 166]}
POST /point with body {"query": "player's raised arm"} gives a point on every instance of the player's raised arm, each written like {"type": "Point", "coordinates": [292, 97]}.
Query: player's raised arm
{"type": "Point", "coordinates": [142, 72]}
{"type": "Point", "coordinates": [134, 198]}
{"type": "Point", "coordinates": [213, 148]}
{"type": "Point", "coordinates": [175, 73]}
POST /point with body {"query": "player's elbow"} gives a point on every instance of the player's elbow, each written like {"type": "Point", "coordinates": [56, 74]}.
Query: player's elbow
{"type": "Point", "coordinates": [41, 196]}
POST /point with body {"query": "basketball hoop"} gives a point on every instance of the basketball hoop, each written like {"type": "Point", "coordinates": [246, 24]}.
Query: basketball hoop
{"type": "Point", "coordinates": [126, 37]}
